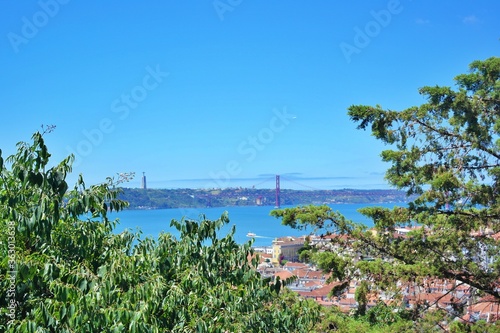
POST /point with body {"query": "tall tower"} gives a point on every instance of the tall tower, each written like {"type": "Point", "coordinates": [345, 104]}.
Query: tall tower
{"type": "Point", "coordinates": [143, 185]}
{"type": "Point", "coordinates": [277, 191]}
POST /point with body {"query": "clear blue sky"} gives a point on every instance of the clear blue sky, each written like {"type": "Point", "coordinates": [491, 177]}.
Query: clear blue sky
{"type": "Point", "coordinates": [227, 93]}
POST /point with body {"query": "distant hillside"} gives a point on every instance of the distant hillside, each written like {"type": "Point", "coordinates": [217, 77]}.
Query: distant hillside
{"type": "Point", "coordinates": [199, 198]}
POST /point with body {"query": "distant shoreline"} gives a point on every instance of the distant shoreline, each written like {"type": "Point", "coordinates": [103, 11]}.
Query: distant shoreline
{"type": "Point", "coordinates": [148, 199]}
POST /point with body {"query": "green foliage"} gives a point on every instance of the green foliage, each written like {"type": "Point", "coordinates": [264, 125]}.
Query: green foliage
{"type": "Point", "coordinates": [445, 154]}
{"type": "Point", "coordinates": [307, 251]}
{"type": "Point", "coordinates": [478, 327]}
{"type": "Point", "coordinates": [318, 217]}
{"type": "Point", "coordinates": [448, 152]}
{"type": "Point", "coordinates": [361, 296]}
{"type": "Point", "coordinates": [331, 262]}
{"type": "Point", "coordinates": [72, 273]}
{"type": "Point", "coordinates": [379, 319]}
{"type": "Point", "coordinates": [391, 319]}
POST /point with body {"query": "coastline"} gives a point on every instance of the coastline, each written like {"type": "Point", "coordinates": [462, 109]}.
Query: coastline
{"type": "Point", "coordinates": [151, 199]}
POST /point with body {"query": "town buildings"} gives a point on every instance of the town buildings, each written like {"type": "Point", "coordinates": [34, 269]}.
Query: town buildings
{"type": "Point", "coordinates": [457, 298]}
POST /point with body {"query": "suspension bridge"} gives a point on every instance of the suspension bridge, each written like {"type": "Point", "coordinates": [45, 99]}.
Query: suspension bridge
{"type": "Point", "coordinates": [277, 179]}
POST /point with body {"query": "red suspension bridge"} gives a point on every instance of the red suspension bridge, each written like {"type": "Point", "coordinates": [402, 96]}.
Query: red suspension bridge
{"type": "Point", "coordinates": [278, 179]}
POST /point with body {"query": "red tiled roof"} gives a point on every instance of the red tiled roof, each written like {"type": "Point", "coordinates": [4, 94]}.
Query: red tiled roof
{"type": "Point", "coordinates": [485, 305]}
{"type": "Point", "coordinates": [284, 275]}
{"type": "Point", "coordinates": [310, 274]}
{"type": "Point", "coordinates": [320, 292]}
{"type": "Point", "coordinates": [312, 284]}
{"type": "Point", "coordinates": [295, 265]}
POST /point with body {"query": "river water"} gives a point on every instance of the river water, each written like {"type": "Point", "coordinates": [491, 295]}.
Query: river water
{"type": "Point", "coordinates": [255, 219]}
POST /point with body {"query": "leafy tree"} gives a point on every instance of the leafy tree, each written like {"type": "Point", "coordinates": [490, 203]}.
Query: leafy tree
{"type": "Point", "coordinates": [445, 154]}
{"type": "Point", "coordinates": [479, 327]}
{"type": "Point", "coordinates": [379, 319]}
{"type": "Point", "coordinates": [306, 251]}
{"type": "Point", "coordinates": [63, 269]}
{"type": "Point", "coordinates": [361, 296]}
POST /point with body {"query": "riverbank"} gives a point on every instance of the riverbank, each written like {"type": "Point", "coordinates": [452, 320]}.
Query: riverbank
{"type": "Point", "coordinates": [243, 197]}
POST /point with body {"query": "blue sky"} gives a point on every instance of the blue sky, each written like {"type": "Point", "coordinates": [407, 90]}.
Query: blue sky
{"type": "Point", "coordinates": [227, 92]}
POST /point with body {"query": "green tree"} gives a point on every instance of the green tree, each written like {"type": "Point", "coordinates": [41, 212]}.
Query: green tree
{"type": "Point", "coordinates": [361, 296]}
{"type": "Point", "coordinates": [306, 251]}
{"type": "Point", "coordinates": [63, 269]}
{"type": "Point", "coordinates": [445, 154]}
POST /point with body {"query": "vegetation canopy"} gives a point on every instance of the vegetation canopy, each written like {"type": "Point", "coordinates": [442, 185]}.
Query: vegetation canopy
{"type": "Point", "coordinates": [445, 154]}
{"type": "Point", "coordinates": [63, 269]}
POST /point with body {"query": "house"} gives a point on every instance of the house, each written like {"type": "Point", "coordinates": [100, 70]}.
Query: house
{"type": "Point", "coordinates": [487, 308]}
{"type": "Point", "coordinates": [321, 294]}
{"type": "Point", "coordinates": [287, 248]}
{"type": "Point", "coordinates": [292, 266]}
{"type": "Point", "coordinates": [284, 275]}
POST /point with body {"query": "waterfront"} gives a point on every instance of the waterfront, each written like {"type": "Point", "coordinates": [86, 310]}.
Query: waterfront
{"type": "Point", "coordinates": [255, 219]}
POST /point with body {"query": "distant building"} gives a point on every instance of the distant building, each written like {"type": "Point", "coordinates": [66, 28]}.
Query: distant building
{"type": "Point", "coordinates": [143, 185]}
{"type": "Point", "coordinates": [287, 248]}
